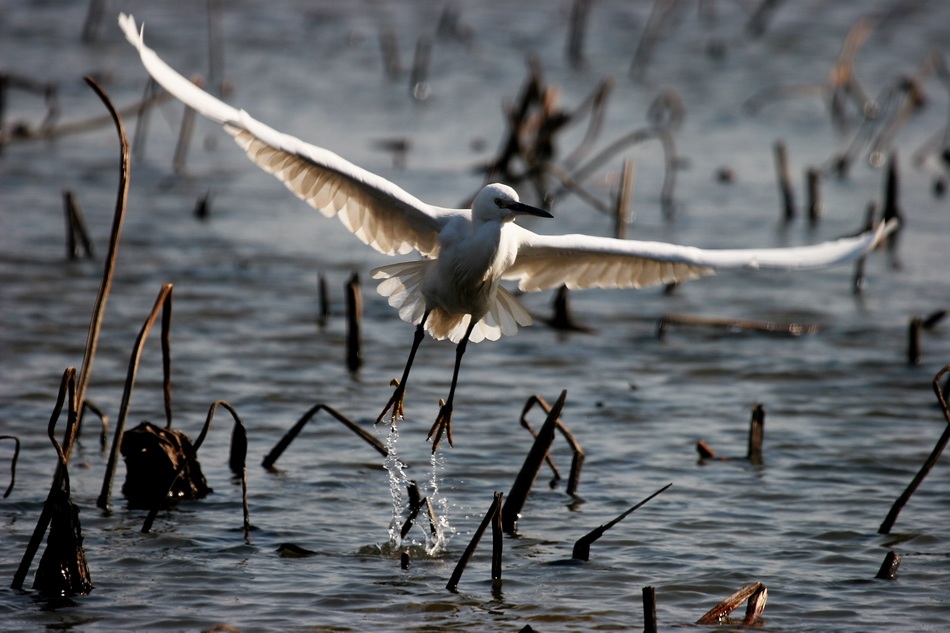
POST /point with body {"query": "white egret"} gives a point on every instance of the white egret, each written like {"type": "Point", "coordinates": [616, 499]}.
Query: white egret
{"type": "Point", "coordinates": [453, 291]}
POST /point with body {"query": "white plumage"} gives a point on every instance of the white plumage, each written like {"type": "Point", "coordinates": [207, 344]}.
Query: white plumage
{"type": "Point", "coordinates": [454, 291]}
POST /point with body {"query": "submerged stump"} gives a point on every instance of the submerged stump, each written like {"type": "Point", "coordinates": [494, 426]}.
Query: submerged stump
{"type": "Point", "coordinates": [152, 456]}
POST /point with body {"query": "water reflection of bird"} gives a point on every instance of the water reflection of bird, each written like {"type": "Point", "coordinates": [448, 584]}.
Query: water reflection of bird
{"type": "Point", "coordinates": [454, 291]}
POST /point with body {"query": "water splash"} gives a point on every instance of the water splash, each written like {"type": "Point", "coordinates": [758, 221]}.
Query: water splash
{"type": "Point", "coordinates": [437, 534]}
{"type": "Point", "coordinates": [398, 482]}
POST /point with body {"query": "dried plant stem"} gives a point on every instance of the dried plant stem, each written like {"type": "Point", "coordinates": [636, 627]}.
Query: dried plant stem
{"type": "Point", "coordinates": [582, 546]}
{"type": "Point", "coordinates": [285, 441]}
{"type": "Point", "coordinates": [532, 464]}
{"type": "Point", "coordinates": [95, 323]}
{"type": "Point", "coordinates": [577, 463]}
{"type": "Point", "coordinates": [16, 455]}
{"type": "Point", "coordinates": [490, 518]}
{"type": "Point", "coordinates": [162, 301]}
{"type": "Point", "coordinates": [928, 464]}
{"type": "Point", "coordinates": [66, 396]}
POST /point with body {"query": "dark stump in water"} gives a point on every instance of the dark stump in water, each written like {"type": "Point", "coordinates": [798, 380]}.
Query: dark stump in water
{"type": "Point", "coordinates": [63, 570]}
{"type": "Point", "coordinates": [152, 457]}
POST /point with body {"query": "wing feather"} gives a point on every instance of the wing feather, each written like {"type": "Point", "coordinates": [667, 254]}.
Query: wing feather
{"type": "Point", "coordinates": [377, 211]}
{"type": "Point", "coordinates": [586, 261]}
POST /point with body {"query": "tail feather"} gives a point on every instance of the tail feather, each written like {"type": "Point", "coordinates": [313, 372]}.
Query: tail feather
{"type": "Point", "coordinates": [402, 285]}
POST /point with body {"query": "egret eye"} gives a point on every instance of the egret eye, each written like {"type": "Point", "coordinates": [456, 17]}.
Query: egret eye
{"type": "Point", "coordinates": [500, 203]}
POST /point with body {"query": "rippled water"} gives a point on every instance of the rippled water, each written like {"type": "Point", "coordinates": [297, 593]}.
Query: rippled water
{"type": "Point", "coordinates": [848, 421]}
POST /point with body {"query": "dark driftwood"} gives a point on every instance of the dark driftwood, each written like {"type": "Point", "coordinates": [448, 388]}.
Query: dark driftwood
{"type": "Point", "coordinates": [582, 546]}
{"type": "Point", "coordinates": [888, 570]}
{"type": "Point", "coordinates": [928, 464]}
{"type": "Point", "coordinates": [769, 327]}
{"type": "Point", "coordinates": [490, 517]}
{"type": "Point", "coordinates": [163, 303]}
{"type": "Point", "coordinates": [577, 462]}
{"type": "Point", "coordinates": [285, 441]}
{"type": "Point", "coordinates": [727, 606]}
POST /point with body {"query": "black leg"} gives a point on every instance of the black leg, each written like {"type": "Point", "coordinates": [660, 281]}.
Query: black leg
{"type": "Point", "coordinates": [396, 401]}
{"type": "Point", "coordinates": [443, 423]}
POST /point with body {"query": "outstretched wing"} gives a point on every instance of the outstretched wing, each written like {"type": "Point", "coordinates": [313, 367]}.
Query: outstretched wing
{"type": "Point", "coordinates": [585, 261]}
{"type": "Point", "coordinates": [378, 212]}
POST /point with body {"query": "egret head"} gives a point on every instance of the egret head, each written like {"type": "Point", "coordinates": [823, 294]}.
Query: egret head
{"type": "Point", "coordinates": [500, 202]}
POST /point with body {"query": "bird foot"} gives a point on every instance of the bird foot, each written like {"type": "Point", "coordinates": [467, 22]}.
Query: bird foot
{"type": "Point", "coordinates": [443, 424]}
{"type": "Point", "coordinates": [395, 403]}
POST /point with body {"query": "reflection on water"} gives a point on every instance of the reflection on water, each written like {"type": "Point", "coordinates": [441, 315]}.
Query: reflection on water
{"type": "Point", "coordinates": [848, 421]}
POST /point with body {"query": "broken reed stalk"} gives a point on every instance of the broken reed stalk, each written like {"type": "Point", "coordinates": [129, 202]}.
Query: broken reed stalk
{"type": "Point", "coordinates": [577, 462]}
{"type": "Point", "coordinates": [237, 462]}
{"type": "Point", "coordinates": [95, 322]}
{"type": "Point", "coordinates": [78, 244]}
{"type": "Point", "coordinates": [184, 139]}
{"type": "Point", "coordinates": [67, 395]}
{"type": "Point", "coordinates": [582, 545]}
{"type": "Point", "coordinates": [928, 465]}
{"type": "Point", "coordinates": [651, 33]}
{"type": "Point", "coordinates": [580, 10]}
{"type": "Point", "coordinates": [389, 49]}
{"type": "Point", "coordinates": [323, 301]}
{"type": "Point", "coordinates": [913, 341]}
{"type": "Point", "coordinates": [141, 118]}
{"type": "Point", "coordinates": [354, 320]}
{"type": "Point", "coordinates": [490, 518]}
{"type": "Point", "coordinates": [288, 437]}
{"type": "Point", "coordinates": [157, 505]}
{"type": "Point", "coordinates": [891, 210]}
{"type": "Point", "coordinates": [562, 319]}
{"type": "Point", "coordinates": [497, 541]}
{"type": "Point", "coordinates": [888, 570]}
{"type": "Point", "coordinates": [624, 196]}
{"type": "Point", "coordinates": [756, 434]}
{"type": "Point", "coordinates": [649, 610]}
{"type": "Point", "coordinates": [784, 180]}
{"type": "Point", "coordinates": [163, 301]}
{"type": "Point", "coordinates": [813, 195]}
{"type": "Point", "coordinates": [532, 464]}
{"type": "Point", "coordinates": [16, 455]}
{"type": "Point", "coordinates": [858, 282]}
{"type": "Point", "coordinates": [770, 327]}
{"type": "Point", "coordinates": [103, 422]}
{"type": "Point", "coordinates": [727, 606]}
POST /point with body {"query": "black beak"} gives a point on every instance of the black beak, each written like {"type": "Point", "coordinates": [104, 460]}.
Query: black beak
{"type": "Point", "coordinates": [520, 208]}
